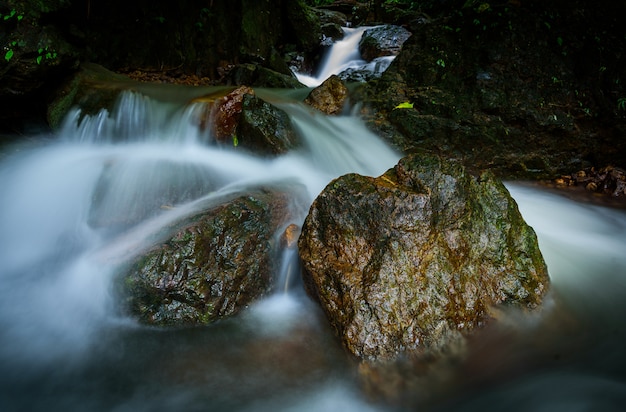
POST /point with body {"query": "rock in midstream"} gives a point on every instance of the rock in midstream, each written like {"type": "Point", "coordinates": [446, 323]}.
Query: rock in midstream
{"type": "Point", "coordinates": [416, 259]}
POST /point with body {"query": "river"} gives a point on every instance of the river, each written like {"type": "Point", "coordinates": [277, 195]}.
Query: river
{"type": "Point", "coordinates": [65, 346]}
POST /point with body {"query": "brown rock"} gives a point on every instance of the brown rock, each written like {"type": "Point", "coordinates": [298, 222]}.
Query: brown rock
{"type": "Point", "coordinates": [416, 259]}
{"type": "Point", "coordinates": [226, 112]}
{"type": "Point", "coordinates": [329, 97]}
{"type": "Point", "coordinates": [210, 266]}
{"type": "Point", "coordinates": [290, 236]}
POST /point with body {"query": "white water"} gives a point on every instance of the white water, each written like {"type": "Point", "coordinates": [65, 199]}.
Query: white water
{"type": "Point", "coordinates": [342, 56]}
{"type": "Point", "coordinates": [571, 358]}
{"type": "Point", "coordinates": [75, 205]}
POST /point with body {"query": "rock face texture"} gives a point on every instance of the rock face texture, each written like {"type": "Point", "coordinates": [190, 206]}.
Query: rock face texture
{"type": "Point", "coordinates": [244, 120]}
{"type": "Point", "coordinates": [329, 97]}
{"type": "Point", "coordinates": [265, 129]}
{"type": "Point", "coordinates": [415, 259]}
{"type": "Point", "coordinates": [212, 265]}
{"type": "Point", "coordinates": [385, 40]}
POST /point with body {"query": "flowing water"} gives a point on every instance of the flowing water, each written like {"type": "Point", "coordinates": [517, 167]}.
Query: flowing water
{"type": "Point", "coordinates": [76, 204]}
{"type": "Point", "coordinates": [343, 56]}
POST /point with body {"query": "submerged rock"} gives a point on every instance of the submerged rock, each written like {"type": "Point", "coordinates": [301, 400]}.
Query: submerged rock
{"type": "Point", "coordinates": [165, 184]}
{"type": "Point", "coordinates": [329, 97]}
{"type": "Point", "coordinates": [416, 259]}
{"type": "Point", "coordinates": [211, 266]}
{"type": "Point", "coordinates": [92, 88]}
{"type": "Point", "coordinates": [366, 72]}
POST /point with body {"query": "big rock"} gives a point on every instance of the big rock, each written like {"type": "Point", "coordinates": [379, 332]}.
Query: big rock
{"type": "Point", "coordinates": [416, 259]}
{"type": "Point", "coordinates": [210, 265]}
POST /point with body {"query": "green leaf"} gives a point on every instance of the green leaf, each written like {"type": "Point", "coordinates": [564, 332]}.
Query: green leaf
{"type": "Point", "coordinates": [39, 59]}
{"type": "Point", "coordinates": [8, 55]}
{"type": "Point", "coordinates": [404, 105]}
{"type": "Point", "coordinates": [235, 141]}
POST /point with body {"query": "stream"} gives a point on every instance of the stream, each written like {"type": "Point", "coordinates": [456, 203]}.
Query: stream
{"type": "Point", "coordinates": [64, 345]}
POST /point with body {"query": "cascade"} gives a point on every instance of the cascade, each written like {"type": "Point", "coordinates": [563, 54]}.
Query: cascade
{"type": "Point", "coordinates": [64, 346]}
{"type": "Point", "coordinates": [343, 56]}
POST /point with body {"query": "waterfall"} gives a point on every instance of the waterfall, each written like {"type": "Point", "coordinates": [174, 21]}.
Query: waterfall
{"type": "Point", "coordinates": [112, 179]}
{"type": "Point", "coordinates": [342, 56]}
{"type": "Point", "coordinates": [76, 204]}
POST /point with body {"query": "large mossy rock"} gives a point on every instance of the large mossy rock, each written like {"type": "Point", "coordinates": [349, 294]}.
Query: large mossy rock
{"type": "Point", "coordinates": [264, 128]}
{"type": "Point", "coordinates": [417, 258]}
{"type": "Point", "coordinates": [211, 265]}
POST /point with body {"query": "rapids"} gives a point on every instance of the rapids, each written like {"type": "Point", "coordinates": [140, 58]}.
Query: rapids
{"type": "Point", "coordinates": [64, 345]}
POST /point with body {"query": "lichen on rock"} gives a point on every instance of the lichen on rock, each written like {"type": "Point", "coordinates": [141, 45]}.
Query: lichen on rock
{"type": "Point", "coordinates": [416, 259]}
{"type": "Point", "coordinates": [210, 265]}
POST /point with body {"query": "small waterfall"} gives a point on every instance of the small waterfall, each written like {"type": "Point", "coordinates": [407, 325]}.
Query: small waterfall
{"type": "Point", "coordinates": [137, 118]}
{"type": "Point", "coordinates": [73, 207]}
{"type": "Point", "coordinates": [343, 56]}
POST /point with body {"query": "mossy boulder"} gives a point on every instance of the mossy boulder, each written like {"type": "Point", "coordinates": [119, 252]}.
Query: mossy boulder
{"type": "Point", "coordinates": [211, 265]}
{"type": "Point", "coordinates": [265, 129]}
{"type": "Point", "coordinates": [418, 258]}
{"type": "Point", "coordinates": [92, 88]}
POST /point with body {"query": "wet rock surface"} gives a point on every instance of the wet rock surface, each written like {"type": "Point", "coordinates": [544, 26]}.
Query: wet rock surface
{"type": "Point", "coordinates": [416, 259]}
{"type": "Point", "coordinates": [608, 180]}
{"type": "Point", "coordinates": [92, 88]}
{"type": "Point", "coordinates": [243, 120]}
{"type": "Point", "coordinates": [329, 97]}
{"type": "Point", "coordinates": [211, 265]}
{"type": "Point", "coordinates": [385, 40]}
{"type": "Point", "coordinates": [265, 129]}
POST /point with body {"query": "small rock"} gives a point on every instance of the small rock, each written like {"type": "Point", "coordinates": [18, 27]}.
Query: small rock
{"type": "Point", "coordinates": [329, 97]}
{"type": "Point", "coordinates": [289, 239]}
